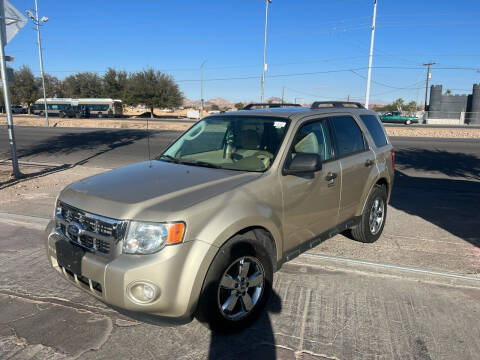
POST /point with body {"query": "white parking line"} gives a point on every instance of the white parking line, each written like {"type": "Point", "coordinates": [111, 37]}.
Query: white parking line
{"type": "Point", "coordinates": [389, 266]}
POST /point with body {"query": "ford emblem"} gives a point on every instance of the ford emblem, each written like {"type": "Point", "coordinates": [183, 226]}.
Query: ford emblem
{"type": "Point", "coordinates": [74, 229]}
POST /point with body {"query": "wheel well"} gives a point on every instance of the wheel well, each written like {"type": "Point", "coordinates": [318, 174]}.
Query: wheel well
{"type": "Point", "coordinates": [265, 237]}
{"type": "Point", "coordinates": [383, 182]}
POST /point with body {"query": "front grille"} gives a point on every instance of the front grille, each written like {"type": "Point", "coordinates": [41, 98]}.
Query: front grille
{"type": "Point", "coordinates": [92, 232]}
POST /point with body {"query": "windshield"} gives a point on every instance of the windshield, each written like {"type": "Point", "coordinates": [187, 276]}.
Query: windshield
{"type": "Point", "coordinates": [246, 143]}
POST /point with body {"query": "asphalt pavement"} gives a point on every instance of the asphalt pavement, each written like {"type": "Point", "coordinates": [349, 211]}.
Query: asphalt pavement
{"type": "Point", "coordinates": [414, 294]}
{"type": "Point", "coordinates": [111, 148]}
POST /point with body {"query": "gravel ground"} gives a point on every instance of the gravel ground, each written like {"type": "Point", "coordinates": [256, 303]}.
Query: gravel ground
{"type": "Point", "coordinates": [463, 133]}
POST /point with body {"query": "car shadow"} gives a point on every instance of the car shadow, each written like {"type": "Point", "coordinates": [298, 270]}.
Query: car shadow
{"type": "Point", "coordinates": [255, 342]}
{"type": "Point", "coordinates": [102, 141]}
{"type": "Point", "coordinates": [448, 197]}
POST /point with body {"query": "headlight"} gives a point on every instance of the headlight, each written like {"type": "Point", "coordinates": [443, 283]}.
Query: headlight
{"type": "Point", "coordinates": [148, 237]}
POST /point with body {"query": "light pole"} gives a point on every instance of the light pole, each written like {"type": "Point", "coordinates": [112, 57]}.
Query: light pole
{"type": "Point", "coordinates": [265, 51]}
{"type": "Point", "coordinates": [370, 55]}
{"type": "Point", "coordinates": [38, 22]}
{"type": "Point", "coordinates": [426, 83]}
{"type": "Point", "coordinates": [201, 87]}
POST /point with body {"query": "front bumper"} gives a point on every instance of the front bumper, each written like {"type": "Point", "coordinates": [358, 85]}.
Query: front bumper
{"type": "Point", "coordinates": [177, 271]}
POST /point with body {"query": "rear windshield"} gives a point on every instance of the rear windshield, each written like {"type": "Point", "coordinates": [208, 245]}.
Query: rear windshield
{"type": "Point", "coordinates": [375, 129]}
{"type": "Point", "coordinates": [246, 143]}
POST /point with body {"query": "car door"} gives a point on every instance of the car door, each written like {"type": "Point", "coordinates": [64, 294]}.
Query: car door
{"type": "Point", "coordinates": [311, 201]}
{"type": "Point", "coordinates": [357, 163]}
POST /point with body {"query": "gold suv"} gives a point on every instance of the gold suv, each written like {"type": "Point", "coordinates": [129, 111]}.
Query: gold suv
{"type": "Point", "coordinates": [200, 230]}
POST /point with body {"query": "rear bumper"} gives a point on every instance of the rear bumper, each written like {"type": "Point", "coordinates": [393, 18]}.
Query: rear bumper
{"type": "Point", "coordinates": [177, 272]}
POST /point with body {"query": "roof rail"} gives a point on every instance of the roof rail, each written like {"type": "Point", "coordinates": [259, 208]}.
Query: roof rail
{"type": "Point", "coordinates": [337, 104]}
{"type": "Point", "coordinates": [268, 106]}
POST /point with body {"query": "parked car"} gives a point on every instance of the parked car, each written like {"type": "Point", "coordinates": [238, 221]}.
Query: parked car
{"type": "Point", "coordinates": [18, 109]}
{"type": "Point", "coordinates": [398, 117]}
{"type": "Point", "coordinates": [200, 230]}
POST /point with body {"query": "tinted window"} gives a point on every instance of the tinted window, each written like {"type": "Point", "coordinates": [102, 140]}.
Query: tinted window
{"type": "Point", "coordinates": [313, 138]}
{"type": "Point", "coordinates": [348, 136]}
{"type": "Point", "coordinates": [375, 129]}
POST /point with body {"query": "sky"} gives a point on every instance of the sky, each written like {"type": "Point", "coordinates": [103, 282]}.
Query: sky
{"type": "Point", "coordinates": [316, 49]}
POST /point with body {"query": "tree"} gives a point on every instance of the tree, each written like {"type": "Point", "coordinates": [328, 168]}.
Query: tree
{"type": "Point", "coordinates": [448, 92]}
{"type": "Point", "coordinates": [84, 84]}
{"type": "Point", "coordinates": [239, 106]}
{"type": "Point", "coordinates": [412, 106]}
{"type": "Point", "coordinates": [114, 84]}
{"type": "Point", "coordinates": [25, 89]}
{"type": "Point", "coordinates": [154, 89]}
{"type": "Point", "coordinates": [214, 107]}
{"type": "Point", "coordinates": [53, 86]}
{"type": "Point", "coordinates": [395, 106]}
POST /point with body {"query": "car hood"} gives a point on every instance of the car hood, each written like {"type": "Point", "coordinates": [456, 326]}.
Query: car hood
{"type": "Point", "coordinates": [147, 190]}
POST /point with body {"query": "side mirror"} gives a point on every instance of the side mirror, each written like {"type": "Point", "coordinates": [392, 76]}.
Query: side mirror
{"type": "Point", "coordinates": [304, 163]}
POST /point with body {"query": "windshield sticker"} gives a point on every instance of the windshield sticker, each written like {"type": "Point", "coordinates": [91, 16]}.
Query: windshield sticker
{"type": "Point", "coordinates": [279, 124]}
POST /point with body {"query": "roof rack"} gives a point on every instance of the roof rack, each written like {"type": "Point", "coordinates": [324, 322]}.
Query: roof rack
{"type": "Point", "coordinates": [268, 106]}
{"type": "Point", "coordinates": [337, 104]}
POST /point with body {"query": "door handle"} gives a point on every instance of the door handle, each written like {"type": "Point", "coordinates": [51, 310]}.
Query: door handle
{"type": "Point", "coordinates": [331, 176]}
{"type": "Point", "coordinates": [369, 163]}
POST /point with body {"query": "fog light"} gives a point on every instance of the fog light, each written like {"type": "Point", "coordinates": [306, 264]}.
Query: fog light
{"type": "Point", "coordinates": [143, 292]}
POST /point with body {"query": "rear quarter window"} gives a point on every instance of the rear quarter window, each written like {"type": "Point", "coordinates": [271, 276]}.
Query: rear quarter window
{"type": "Point", "coordinates": [375, 129]}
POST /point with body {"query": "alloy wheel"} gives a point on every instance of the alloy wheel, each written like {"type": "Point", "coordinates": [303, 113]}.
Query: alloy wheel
{"type": "Point", "coordinates": [240, 288]}
{"type": "Point", "coordinates": [377, 214]}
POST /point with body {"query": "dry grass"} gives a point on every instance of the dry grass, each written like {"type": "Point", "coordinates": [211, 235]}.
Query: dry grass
{"type": "Point", "coordinates": [26, 120]}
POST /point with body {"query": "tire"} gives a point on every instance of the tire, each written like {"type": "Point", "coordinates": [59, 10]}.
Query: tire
{"type": "Point", "coordinates": [408, 122]}
{"type": "Point", "coordinates": [41, 113]}
{"type": "Point", "coordinates": [376, 203]}
{"type": "Point", "coordinates": [78, 115]}
{"type": "Point", "coordinates": [227, 284]}
{"type": "Point", "coordinates": [61, 114]}
{"type": "Point", "coordinates": [100, 115]}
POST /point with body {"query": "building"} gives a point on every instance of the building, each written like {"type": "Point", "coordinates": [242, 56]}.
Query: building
{"type": "Point", "coordinates": [454, 109]}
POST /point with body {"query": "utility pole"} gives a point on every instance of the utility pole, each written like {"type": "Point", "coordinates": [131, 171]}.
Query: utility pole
{"type": "Point", "coordinates": [426, 82]}
{"type": "Point", "coordinates": [370, 56]}
{"type": "Point", "coordinates": [283, 93]}
{"type": "Point", "coordinates": [6, 93]}
{"type": "Point", "coordinates": [37, 22]}
{"type": "Point", "coordinates": [264, 51]}
{"type": "Point", "coordinates": [201, 88]}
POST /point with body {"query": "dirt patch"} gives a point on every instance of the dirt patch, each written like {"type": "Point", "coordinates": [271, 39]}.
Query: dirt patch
{"type": "Point", "coordinates": [182, 125]}
{"type": "Point", "coordinates": [460, 133]}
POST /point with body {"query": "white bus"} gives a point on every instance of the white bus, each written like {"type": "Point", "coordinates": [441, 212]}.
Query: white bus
{"type": "Point", "coordinates": [98, 107]}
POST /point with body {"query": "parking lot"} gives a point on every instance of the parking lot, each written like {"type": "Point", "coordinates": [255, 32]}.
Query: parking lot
{"type": "Point", "coordinates": [414, 294]}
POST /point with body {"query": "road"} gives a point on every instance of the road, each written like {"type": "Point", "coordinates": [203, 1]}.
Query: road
{"type": "Point", "coordinates": [414, 294]}
{"type": "Point", "coordinates": [112, 148]}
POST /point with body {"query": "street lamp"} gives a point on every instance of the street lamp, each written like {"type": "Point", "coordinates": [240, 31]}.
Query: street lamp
{"type": "Point", "coordinates": [265, 51]}
{"type": "Point", "coordinates": [39, 22]}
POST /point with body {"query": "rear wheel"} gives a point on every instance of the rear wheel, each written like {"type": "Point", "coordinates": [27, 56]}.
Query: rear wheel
{"type": "Point", "coordinates": [373, 217]}
{"type": "Point", "coordinates": [237, 286]}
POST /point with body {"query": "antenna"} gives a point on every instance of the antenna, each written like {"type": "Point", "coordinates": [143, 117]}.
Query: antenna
{"type": "Point", "coordinates": [148, 145]}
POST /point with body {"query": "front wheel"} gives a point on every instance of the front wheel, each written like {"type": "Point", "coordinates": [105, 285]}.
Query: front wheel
{"type": "Point", "coordinates": [373, 217]}
{"type": "Point", "coordinates": [237, 286]}
{"type": "Point", "coordinates": [408, 122]}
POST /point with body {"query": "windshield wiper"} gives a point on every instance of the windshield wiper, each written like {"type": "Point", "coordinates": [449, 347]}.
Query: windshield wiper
{"type": "Point", "coordinates": [200, 163]}
{"type": "Point", "coordinates": [169, 157]}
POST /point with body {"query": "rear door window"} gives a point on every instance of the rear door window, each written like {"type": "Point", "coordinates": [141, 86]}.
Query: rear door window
{"type": "Point", "coordinates": [375, 129]}
{"type": "Point", "coordinates": [347, 134]}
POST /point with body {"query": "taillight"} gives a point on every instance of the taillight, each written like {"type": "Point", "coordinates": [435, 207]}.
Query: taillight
{"type": "Point", "coordinates": [392, 153]}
